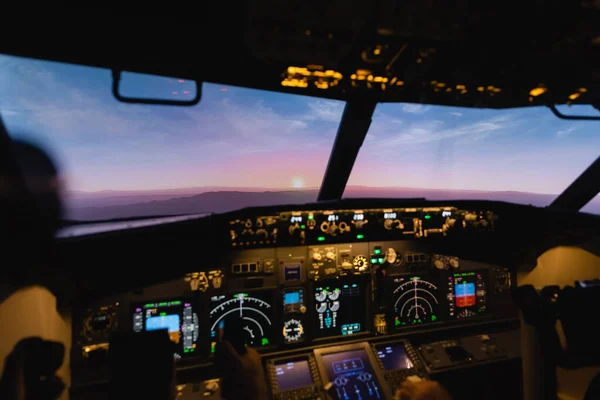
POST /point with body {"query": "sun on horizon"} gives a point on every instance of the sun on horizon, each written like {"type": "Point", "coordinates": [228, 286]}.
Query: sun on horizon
{"type": "Point", "coordinates": [297, 183]}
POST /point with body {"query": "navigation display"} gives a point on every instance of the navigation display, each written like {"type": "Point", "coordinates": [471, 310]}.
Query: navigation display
{"type": "Point", "coordinates": [341, 307]}
{"type": "Point", "coordinates": [293, 375]}
{"type": "Point", "coordinates": [252, 310]}
{"type": "Point", "coordinates": [393, 357]}
{"type": "Point", "coordinates": [352, 375]}
{"type": "Point", "coordinates": [415, 300]}
{"type": "Point", "coordinates": [176, 316]}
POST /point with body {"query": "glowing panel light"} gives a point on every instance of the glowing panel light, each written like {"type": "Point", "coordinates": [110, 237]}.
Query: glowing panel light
{"type": "Point", "coordinates": [302, 76]}
{"type": "Point", "coordinates": [537, 91]}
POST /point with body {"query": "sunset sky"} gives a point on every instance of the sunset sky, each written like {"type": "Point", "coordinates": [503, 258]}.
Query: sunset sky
{"type": "Point", "coordinates": [242, 137]}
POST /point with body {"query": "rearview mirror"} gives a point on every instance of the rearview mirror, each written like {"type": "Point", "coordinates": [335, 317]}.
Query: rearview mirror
{"type": "Point", "coordinates": [136, 88]}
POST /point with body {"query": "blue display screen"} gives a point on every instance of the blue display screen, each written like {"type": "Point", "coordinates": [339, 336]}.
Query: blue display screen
{"type": "Point", "coordinates": [170, 322]}
{"type": "Point", "coordinates": [291, 298]}
{"type": "Point", "coordinates": [352, 376]}
{"type": "Point", "coordinates": [465, 289]}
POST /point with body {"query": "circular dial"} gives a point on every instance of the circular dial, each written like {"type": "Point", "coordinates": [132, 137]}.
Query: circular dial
{"type": "Point", "coordinates": [360, 263]}
{"type": "Point", "coordinates": [99, 323]}
{"type": "Point", "coordinates": [415, 301]}
{"type": "Point", "coordinates": [334, 294]}
{"type": "Point", "coordinates": [321, 296]}
{"type": "Point", "coordinates": [293, 331]}
{"type": "Point", "coordinates": [254, 315]}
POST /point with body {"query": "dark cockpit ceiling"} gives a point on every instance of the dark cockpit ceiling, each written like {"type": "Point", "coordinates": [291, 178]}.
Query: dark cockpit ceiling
{"type": "Point", "coordinates": [469, 54]}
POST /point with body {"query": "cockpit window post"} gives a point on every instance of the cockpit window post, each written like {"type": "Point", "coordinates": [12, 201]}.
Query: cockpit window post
{"type": "Point", "coordinates": [351, 133]}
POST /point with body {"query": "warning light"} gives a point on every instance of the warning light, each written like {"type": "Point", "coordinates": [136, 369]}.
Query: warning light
{"type": "Point", "coordinates": [427, 216]}
{"type": "Point", "coordinates": [359, 236]}
{"type": "Point", "coordinates": [321, 238]}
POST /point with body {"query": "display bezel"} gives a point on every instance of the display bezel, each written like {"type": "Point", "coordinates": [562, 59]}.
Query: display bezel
{"type": "Point", "coordinates": [196, 308]}
{"type": "Point", "coordinates": [275, 304]}
{"type": "Point", "coordinates": [303, 357]}
{"type": "Point", "coordinates": [368, 320]}
{"type": "Point", "coordinates": [485, 278]}
{"type": "Point", "coordinates": [414, 356]}
{"type": "Point", "coordinates": [441, 297]}
{"type": "Point", "coordinates": [373, 359]}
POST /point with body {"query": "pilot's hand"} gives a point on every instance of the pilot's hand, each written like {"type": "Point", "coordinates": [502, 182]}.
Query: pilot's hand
{"type": "Point", "coordinates": [421, 390]}
{"type": "Point", "coordinates": [242, 375]}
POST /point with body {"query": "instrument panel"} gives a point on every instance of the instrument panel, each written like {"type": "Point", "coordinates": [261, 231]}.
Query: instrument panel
{"type": "Point", "coordinates": [293, 297]}
{"type": "Point", "coordinates": [298, 279]}
{"type": "Point", "coordinates": [299, 228]}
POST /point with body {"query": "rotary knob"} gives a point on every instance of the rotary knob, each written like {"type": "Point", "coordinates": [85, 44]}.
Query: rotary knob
{"type": "Point", "coordinates": [454, 262]}
{"type": "Point", "coordinates": [360, 263]}
{"type": "Point", "coordinates": [387, 224]}
{"type": "Point", "coordinates": [391, 256]}
{"type": "Point", "coordinates": [439, 264]}
{"type": "Point", "coordinates": [317, 256]}
{"type": "Point", "coordinates": [330, 256]}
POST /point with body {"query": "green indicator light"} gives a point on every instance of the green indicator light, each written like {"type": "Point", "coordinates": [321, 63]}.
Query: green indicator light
{"type": "Point", "coordinates": [163, 314]}
{"type": "Point", "coordinates": [162, 304]}
{"type": "Point", "coordinates": [175, 303]}
{"type": "Point", "coordinates": [433, 318]}
{"type": "Point", "coordinates": [377, 251]}
{"type": "Point", "coordinates": [381, 260]}
{"type": "Point", "coordinates": [427, 216]}
{"type": "Point", "coordinates": [321, 238]}
{"type": "Point", "coordinates": [311, 217]}
{"type": "Point", "coordinates": [302, 226]}
{"type": "Point", "coordinates": [185, 350]}
{"type": "Point", "coordinates": [149, 305]}
{"type": "Point", "coordinates": [397, 322]}
{"type": "Point", "coordinates": [373, 261]}
{"type": "Point", "coordinates": [192, 350]}
{"type": "Point", "coordinates": [360, 236]}
{"type": "Point", "coordinates": [265, 341]}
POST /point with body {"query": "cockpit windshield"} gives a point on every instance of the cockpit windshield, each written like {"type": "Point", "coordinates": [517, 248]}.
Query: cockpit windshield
{"type": "Point", "coordinates": [245, 147]}
{"type": "Point", "coordinates": [525, 156]}
{"type": "Point", "coordinates": [239, 147]}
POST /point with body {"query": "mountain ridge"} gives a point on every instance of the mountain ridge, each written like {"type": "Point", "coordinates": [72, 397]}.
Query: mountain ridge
{"type": "Point", "coordinates": [111, 207]}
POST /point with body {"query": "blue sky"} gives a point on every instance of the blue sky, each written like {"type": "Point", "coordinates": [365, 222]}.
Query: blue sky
{"type": "Point", "coordinates": [247, 138]}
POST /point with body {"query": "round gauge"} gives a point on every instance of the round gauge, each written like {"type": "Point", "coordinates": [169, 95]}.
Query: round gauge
{"type": "Point", "coordinates": [254, 315]}
{"type": "Point", "coordinates": [334, 306]}
{"type": "Point", "coordinates": [293, 331]}
{"type": "Point", "coordinates": [321, 296]}
{"type": "Point", "coordinates": [97, 324]}
{"type": "Point", "coordinates": [335, 294]}
{"type": "Point", "coordinates": [415, 301]}
{"type": "Point", "coordinates": [360, 263]}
